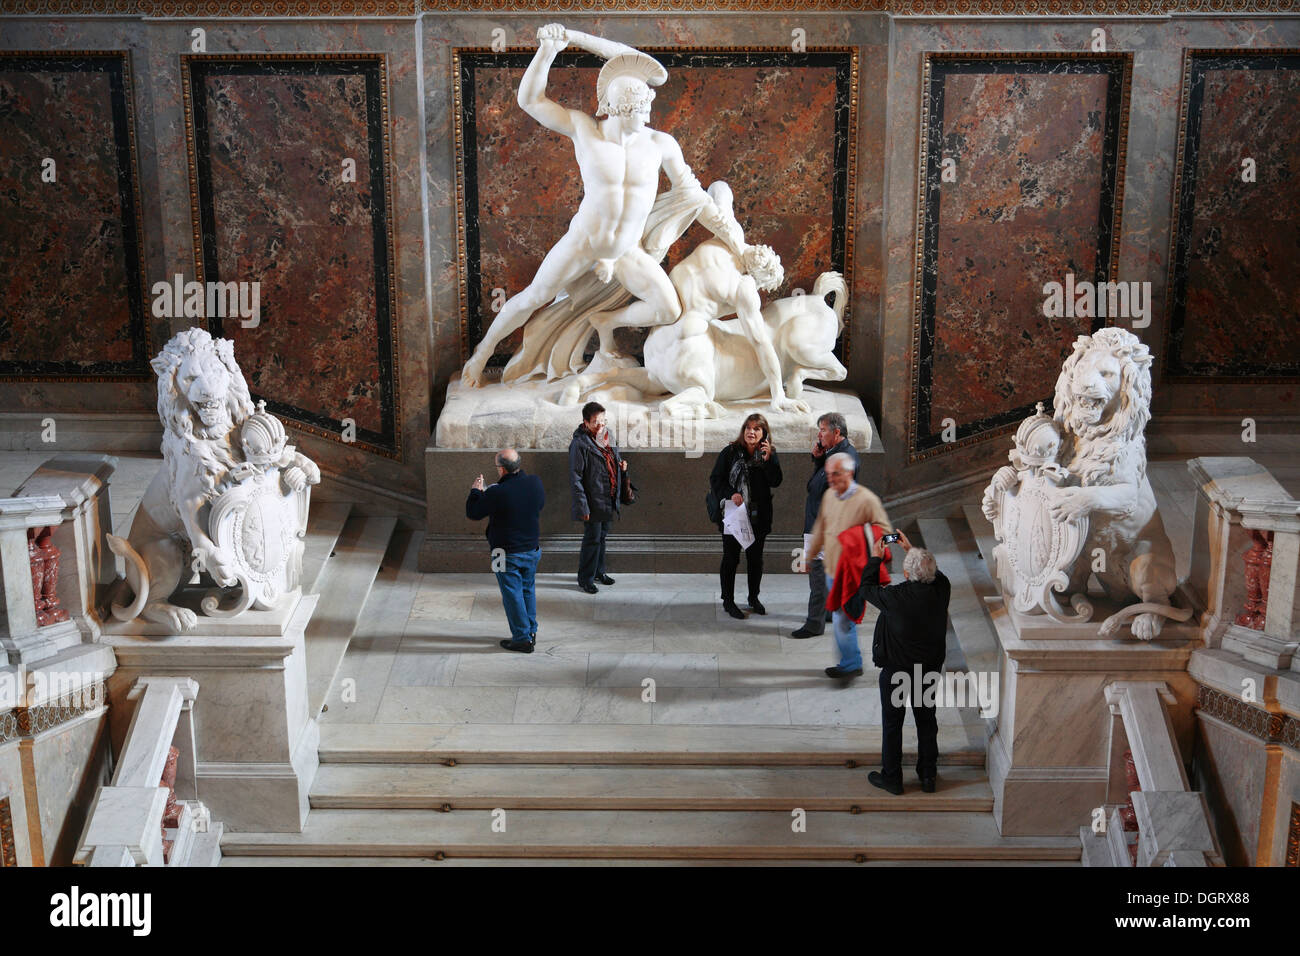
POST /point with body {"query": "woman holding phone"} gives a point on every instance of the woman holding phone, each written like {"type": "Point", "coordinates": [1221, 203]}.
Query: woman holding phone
{"type": "Point", "coordinates": [745, 473]}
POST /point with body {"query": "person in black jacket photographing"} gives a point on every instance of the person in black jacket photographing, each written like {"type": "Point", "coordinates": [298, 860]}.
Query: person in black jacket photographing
{"type": "Point", "coordinates": [745, 473]}
{"type": "Point", "coordinates": [910, 631]}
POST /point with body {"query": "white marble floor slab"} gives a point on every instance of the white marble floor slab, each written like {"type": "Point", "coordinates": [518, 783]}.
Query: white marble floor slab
{"type": "Point", "coordinates": [430, 655]}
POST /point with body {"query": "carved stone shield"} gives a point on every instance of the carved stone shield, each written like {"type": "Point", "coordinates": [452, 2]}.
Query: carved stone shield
{"type": "Point", "coordinates": [261, 528]}
{"type": "Point", "coordinates": [1037, 552]}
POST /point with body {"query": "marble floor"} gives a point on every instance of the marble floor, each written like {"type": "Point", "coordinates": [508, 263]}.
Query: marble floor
{"type": "Point", "coordinates": [426, 652]}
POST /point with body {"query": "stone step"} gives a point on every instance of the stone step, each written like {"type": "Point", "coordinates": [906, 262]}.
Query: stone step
{"type": "Point", "coordinates": [641, 744]}
{"type": "Point", "coordinates": [343, 585]}
{"type": "Point", "coordinates": [324, 525]}
{"type": "Point", "coordinates": [655, 834]}
{"type": "Point", "coordinates": [333, 861]}
{"type": "Point", "coordinates": [433, 787]}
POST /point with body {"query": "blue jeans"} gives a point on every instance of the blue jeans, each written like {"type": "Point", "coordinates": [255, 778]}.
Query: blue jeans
{"type": "Point", "coordinates": [846, 635]}
{"type": "Point", "coordinates": [517, 593]}
{"type": "Point", "coordinates": [591, 558]}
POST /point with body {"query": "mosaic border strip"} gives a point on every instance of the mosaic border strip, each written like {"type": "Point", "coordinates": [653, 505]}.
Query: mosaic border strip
{"type": "Point", "coordinates": [43, 717]}
{"type": "Point", "coordinates": [1270, 727]}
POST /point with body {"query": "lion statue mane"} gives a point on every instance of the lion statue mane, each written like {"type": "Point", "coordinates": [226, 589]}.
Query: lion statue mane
{"type": "Point", "coordinates": [1102, 404]}
{"type": "Point", "coordinates": [203, 400]}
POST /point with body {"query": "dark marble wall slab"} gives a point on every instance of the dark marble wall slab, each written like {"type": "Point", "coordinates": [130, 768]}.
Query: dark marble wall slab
{"type": "Point", "coordinates": [269, 138]}
{"type": "Point", "coordinates": [1234, 289]}
{"type": "Point", "coordinates": [732, 111]}
{"type": "Point", "coordinates": [1022, 177]}
{"type": "Point", "coordinates": [71, 245]}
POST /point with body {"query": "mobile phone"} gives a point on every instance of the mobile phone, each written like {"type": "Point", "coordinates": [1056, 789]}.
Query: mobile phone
{"type": "Point", "coordinates": [890, 537]}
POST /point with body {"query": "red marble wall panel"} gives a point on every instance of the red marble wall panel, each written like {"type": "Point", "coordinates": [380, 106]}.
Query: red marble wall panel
{"type": "Point", "coordinates": [69, 243]}
{"type": "Point", "coordinates": [283, 214]}
{"type": "Point", "coordinates": [1030, 201]}
{"type": "Point", "coordinates": [1235, 290]}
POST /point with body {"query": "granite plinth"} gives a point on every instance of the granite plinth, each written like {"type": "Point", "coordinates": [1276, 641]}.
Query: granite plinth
{"type": "Point", "coordinates": [666, 531]}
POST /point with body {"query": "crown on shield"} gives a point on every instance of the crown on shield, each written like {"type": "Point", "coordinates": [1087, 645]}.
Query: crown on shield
{"type": "Point", "coordinates": [263, 437]}
{"type": "Point", "coordinates": [1037, 439]}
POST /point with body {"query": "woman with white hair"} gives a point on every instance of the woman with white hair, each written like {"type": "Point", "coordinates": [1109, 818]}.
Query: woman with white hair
{"type": "Point", "coordinates": [910, 638]}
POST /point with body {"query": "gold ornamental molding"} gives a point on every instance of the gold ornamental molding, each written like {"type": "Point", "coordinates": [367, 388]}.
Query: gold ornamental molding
{"type": "Point", "coordinates": [239, 9]}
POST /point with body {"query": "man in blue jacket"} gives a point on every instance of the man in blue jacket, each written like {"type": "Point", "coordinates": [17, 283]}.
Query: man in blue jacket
{"type": "Point", "coordinates": [512, 507]}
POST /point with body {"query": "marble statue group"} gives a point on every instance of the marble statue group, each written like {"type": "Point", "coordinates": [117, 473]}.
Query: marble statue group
{"type": "Point", "coordinates": [712, 339]}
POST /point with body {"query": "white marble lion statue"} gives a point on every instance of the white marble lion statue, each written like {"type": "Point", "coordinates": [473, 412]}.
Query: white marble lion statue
{"type": "Point", "coordinates": [1102, 404]}
{"type": "Point", "coordinates": [202, 401]}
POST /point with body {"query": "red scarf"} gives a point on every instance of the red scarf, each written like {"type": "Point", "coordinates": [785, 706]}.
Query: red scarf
{"type": "Point", "coordinates": [602, 442]}
{"type": "Point", "coordinates": [854, 555]}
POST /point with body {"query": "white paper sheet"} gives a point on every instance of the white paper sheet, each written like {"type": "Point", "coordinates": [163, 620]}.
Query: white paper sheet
{"type": "Point", "coordinates": [735, 522]}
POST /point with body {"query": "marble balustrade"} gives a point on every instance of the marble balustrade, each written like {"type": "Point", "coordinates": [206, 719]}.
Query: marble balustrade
{"type": "Point", "coordinates": [125, 824]}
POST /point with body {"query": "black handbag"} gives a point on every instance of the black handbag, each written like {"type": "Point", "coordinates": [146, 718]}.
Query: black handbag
{"type": "Point", "coordinates": [626, 490]}
{"type": "Point", "coordinates": [713, 506]}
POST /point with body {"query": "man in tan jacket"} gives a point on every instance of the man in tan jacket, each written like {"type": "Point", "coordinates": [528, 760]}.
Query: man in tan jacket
{"type": "Point", "coordinates": [845, 504]}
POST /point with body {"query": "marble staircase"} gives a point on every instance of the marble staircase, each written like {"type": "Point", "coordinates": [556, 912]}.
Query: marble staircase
{"type": "Point", "coordinates": [635, 794]}
{"type": "Point", "coordinates": [344, 552]}
{"type": "Point", "coordinates": [608, 794]}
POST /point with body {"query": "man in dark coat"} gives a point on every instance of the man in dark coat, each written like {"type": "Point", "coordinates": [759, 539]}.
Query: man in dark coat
{"type": "Point", "coordinates": [595, 468]}
{"type": "Point", "coordinates": [512, 506]}
{"type": "Point", "coordinates": [910, 638]}
{"type": "Point", "coordinates": [832, 439]}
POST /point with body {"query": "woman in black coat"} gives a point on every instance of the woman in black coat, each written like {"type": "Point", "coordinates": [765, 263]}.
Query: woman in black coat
{"type": "Point", "coordinates": [746, 472]}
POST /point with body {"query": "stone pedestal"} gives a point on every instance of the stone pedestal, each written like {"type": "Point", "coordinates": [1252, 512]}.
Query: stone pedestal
{"type": "Point", "coordinates": [256, 747]}
{"type": "Point", "coordinates": [667, 530]}
{"type": "Point", "coordinates": [1056, 753]}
